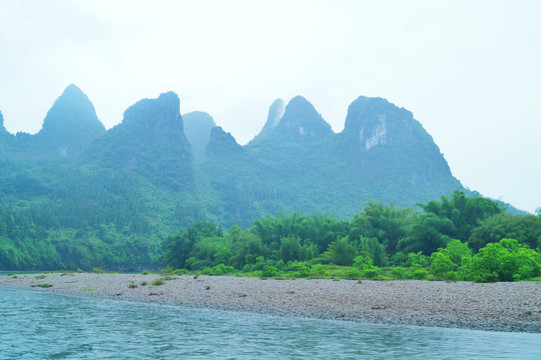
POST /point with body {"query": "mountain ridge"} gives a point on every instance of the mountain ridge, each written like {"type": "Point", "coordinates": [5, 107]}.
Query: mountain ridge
{"type": "Point", "coordinates": [140, 181]}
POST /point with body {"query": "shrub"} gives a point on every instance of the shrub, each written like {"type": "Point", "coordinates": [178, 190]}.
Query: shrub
{"type": "Point", "coordinates": [363, 262]}
{"type": "Point", "coordinates": [318, 269]}
{"type": "Point", "coordinates": [180, 272]}
{"type": "Point", "coordinates": [206, 271]}
{"type": "Point", "coordinates": [419, 274]}
{"type": "Point", "coordinates": [270, 271]}
{"type": "Point", "coordinates": [441, 265]}
{"type": "Point", "coordinates": [506, 260]}
{"type": "Point", "coordinates": [400, 273]}
{"type": "Point", "coordinates": [302, 271]}
{"type": "Point", "coordinates": [371, 273]}
{"type": "Point", "coordinates": [158, 282]}
{"type": "Point", "coordinates": [222, 269]}
{"type": "Point", "coordinates": [353, 274]}
{"type": "Point", "coordinates": [42, 285]}
{"type": "Point", "coordinates": [248, 268]}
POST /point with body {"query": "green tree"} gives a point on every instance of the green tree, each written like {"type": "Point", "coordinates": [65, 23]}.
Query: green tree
{"type": "Point", "coordinates": [464, 212]}
{"type": "Point", "coordinates": [458, 252]}
{"type": "Point", "coordinates": [371, 248]}
{"type": "Point", "coordinates": [340, 252]}
{"type": "Point", "coordinates": [388, 224]}
{"type": "Point", "coordinates": [177, 248]}
{"type": "Point", "coordinates": [506, 260]}
{"type": "Point", "coordinates": [441, 265]}
{"type": "Point", "coordinates": [524, 228]}
{"type": "Point", "coordinates": [428, 233]}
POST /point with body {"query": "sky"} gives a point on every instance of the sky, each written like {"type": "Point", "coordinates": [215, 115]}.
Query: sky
{"type": "Point", "coordinates": [469, 71]}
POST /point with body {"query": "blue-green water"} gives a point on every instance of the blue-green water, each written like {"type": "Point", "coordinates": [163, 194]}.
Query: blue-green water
{"type": "Point", "coordinates": [36, 325]}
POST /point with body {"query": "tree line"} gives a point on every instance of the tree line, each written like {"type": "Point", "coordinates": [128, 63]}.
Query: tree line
{"type": "Point", "coordinates": [454, 238]}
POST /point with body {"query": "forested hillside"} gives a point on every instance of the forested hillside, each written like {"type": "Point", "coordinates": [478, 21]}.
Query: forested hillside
{"type": "Point", "coordinates": [77, 196]}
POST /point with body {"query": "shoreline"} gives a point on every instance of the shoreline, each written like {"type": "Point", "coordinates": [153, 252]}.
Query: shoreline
{"type": "Point", "coordinates": [514, 307]}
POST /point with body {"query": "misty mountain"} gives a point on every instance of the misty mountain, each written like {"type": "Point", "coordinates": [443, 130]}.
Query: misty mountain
{"type": "Point", "coordinates": [68, 129]}
{"type": "Point", "coordinates": [149, 141]}
{"type": "Point", "coordinates": [276, 111]}
{"type": "Point", "coordinates": [120, 192]}
{"type": "Point", "coordinates": [297, 163]}
{"type": "Point", "coordinates": [197, 127]}
{"type": "Point", "coordinates": [5, 137]}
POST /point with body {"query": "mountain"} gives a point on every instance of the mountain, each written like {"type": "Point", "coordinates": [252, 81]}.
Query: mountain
{"type": "Point", "coordinates": [150, 141]}
{"type": "Point", "coordinates": [109, 197]}
{"type": "Point", "coordinates": [391, 155]}
{"type": "Point", "coordinates": [222, 145]}
{"type": "Point", "coordinates": [299, 122]}
{"type": "Point", "coordinates": [197, 127]}
{"type": "Point", "coordinates": [5, 137]}
{"type": "Point", "coordinates": [276, 111]}
{"type": "Point", "coordinates": [68, 129]}
{"type": "Point", "coordinates": [297, 163]}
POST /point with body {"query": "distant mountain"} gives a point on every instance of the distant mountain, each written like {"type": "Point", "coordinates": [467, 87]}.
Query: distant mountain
{"type": "Point", "coordinates": [150, 141]}
{"type": "Point", "coordinates": [276, 111]}
{"type": "Point", "coordinates": [68, 129]}
{"type": "Point", "coordinates": [299, 122]}
{"type": "Point", "coordinates": [298, 163]}
{"type": "Point", "coordinates": [222, 145]}
{"type": "Point", "coordinates": [391, 155]}
{"type": "Point", "coordinates": [5, 137]}
{"type": "Point", "coordinates": [197, 127]}
{"type": "Point", "coordinates": [3, 131]}
{"type": "Point", "coordinates": [76, 195]}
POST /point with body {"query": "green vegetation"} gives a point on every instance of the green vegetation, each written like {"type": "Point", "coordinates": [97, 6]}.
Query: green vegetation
{"type": "Point", "coordinates": [88, 289]}
{"type": "Point", "coordinates": [44, 285]}
{"type": "Point", "coordinates": [77, 197]}
{"type": "Point", "coordinates": [382, 242]}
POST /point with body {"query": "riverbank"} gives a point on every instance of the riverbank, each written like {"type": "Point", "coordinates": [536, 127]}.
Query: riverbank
{"type": "Point", "coordinates": [493, 306]}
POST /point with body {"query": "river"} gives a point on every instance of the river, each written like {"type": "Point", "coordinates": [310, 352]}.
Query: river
{"type": "Point", "coordinates": [35, 325]}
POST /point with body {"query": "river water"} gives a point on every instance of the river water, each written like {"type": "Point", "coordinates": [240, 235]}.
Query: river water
{"type": "Point", "coordinates": [35, 325]}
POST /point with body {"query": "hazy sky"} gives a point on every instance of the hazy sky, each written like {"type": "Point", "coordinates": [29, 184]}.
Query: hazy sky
{"type": "Point", "coordinates": [470, 71]}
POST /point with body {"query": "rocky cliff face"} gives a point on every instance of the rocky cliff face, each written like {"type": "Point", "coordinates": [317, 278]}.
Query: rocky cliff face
{"type": "Point", "coordinates": [388, 150]}
{"type": "Point", "coordinates": [375, 121]}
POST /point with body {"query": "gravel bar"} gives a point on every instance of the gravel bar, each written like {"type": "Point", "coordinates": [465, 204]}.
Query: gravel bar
{"type": "Point", "coordinates": [495, 306]}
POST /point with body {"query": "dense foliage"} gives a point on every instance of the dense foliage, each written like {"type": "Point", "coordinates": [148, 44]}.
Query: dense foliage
{"type": "Point", "coordinates": [432, 243]}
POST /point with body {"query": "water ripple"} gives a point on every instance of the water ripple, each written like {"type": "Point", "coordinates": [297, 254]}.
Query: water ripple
{"type": "Point", "coordinates": [34, 325]}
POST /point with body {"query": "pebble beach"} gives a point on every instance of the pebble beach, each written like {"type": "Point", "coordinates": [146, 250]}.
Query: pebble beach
{"type": "Point", "coordinates": [514, 307]}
